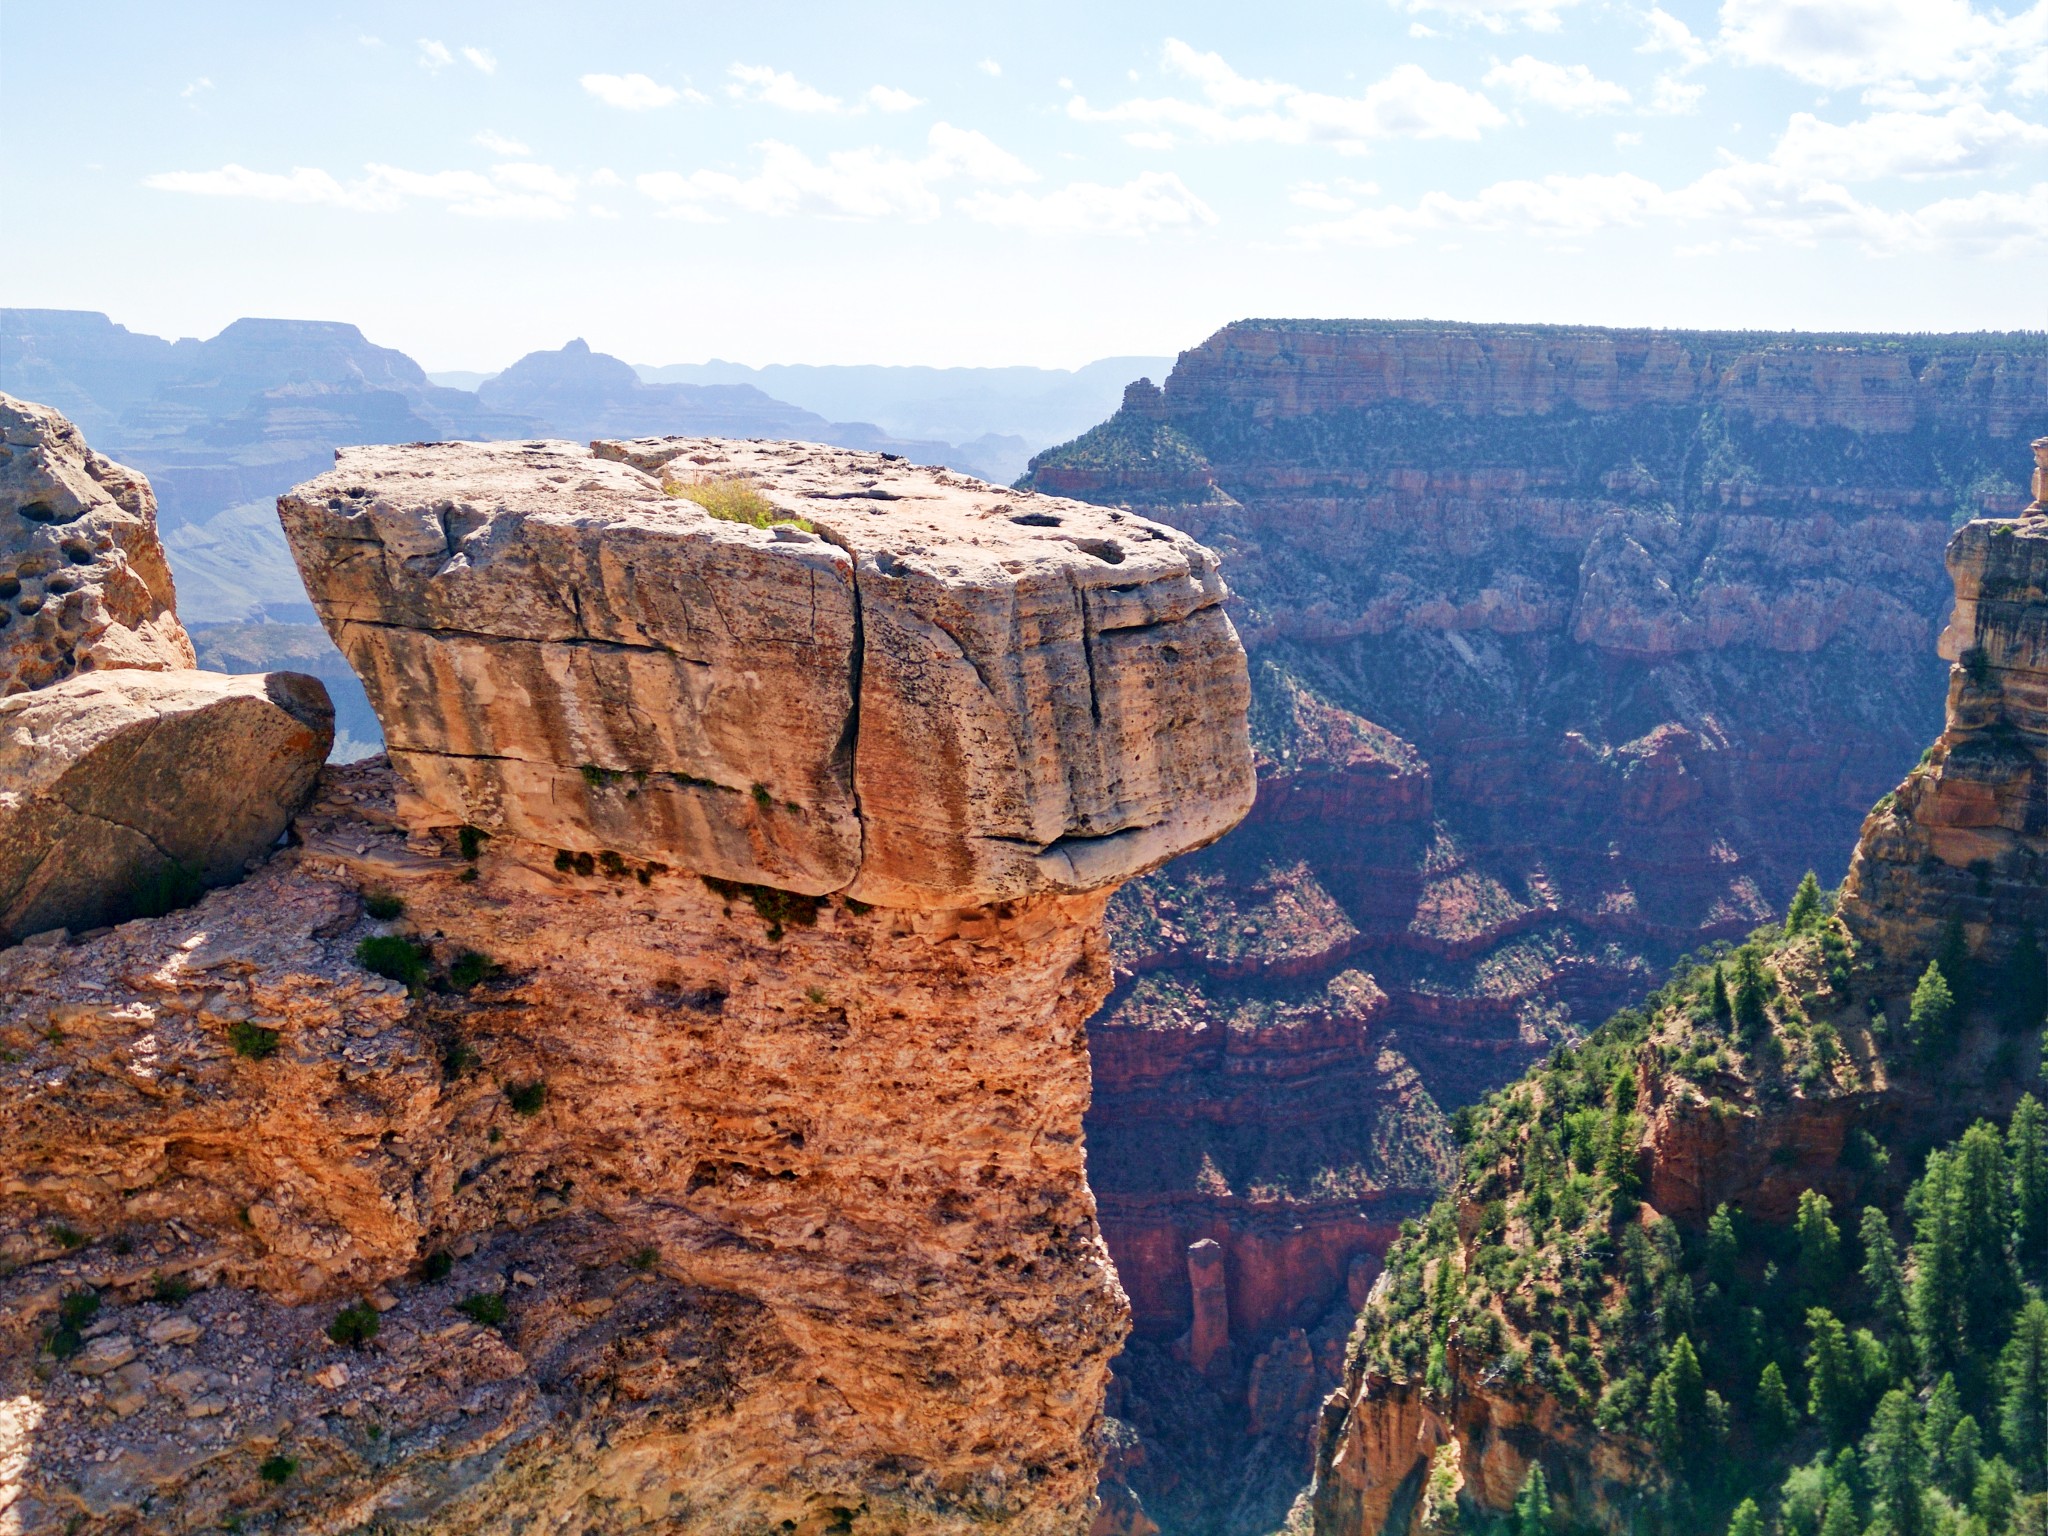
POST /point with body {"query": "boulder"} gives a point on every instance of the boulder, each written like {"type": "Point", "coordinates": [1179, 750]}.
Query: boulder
{"type": "Point", "coordinates": [84, 585]}
{"type": "Point", "coordinates": [123, 793]}
{"type": "Point", "coordinates": [910, 686]}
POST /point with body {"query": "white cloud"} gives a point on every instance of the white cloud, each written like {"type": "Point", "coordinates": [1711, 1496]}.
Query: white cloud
{"type": "Point", "coordinates": [434, 57]}
{"type": "Point", "coordinates": [1739, 205]}
{"type": "Point", "coordinates": [886, 98]}
{"type": "Point", "coordinates": [1837, 44]}
{"type": "Point", "coordinates": [1910, 144]}
{"type": "Point", "coordinates": [1494, 15]}
{"type": "Point", "coordinates": [498, 144]}
{"type": "Point", "coordinates": [198, 87]}
{"type": "Point", "coordinates": [868, 183]}
{"type": "Point", "coordinates": [1626, 140]}
{"type": "Point", "coordinates": [2031, 78]}
{"type": "Point", "coordinates": [629, 93]}
{"type": "Point", "coordinates": [778, 88]}
{"type": "Point", "coordinates": [1339, 196]}
{"type": "Point", "coordinates": [604, 176]}
{"type": "Point", "coordinates": [483, 59]}
{"type": "Point", "coordinates": [368, 41]}
{"type": "Point", "coordinates": [521, 191]}
{"type": "Point", "coordinates": [1152, 200]}
{"type": "Point", "coordinates": [1675, 97]}
{"type": "Point", "coordinates": [1407, 103]}
{"type": "Point", "coordinates": [989, 67]}
{"type": "Point", "coordinates": [1564, 87]}
{"type": "Point", "coordinates": [1670, 35]}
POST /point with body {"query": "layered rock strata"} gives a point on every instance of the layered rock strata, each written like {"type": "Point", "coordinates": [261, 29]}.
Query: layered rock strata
{"type": "Point", "coordinates": [128, 780]}
{"type": "Point", "coordinates": [565, 648]}
{"type": "Point", "coordinates": [680, 1200]}
{"type": "Point", "coordinates": [1572, 649]}
{"type": "Point", "coordinates": [1964, 839]}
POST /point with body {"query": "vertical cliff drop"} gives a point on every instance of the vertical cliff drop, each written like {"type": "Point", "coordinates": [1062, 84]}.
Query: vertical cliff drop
{"type": "Point", "coordinates": [706, 1153]}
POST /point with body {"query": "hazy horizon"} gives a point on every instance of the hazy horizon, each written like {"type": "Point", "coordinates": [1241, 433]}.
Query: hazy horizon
{"type": "Point", "coordinates": [902, 185]}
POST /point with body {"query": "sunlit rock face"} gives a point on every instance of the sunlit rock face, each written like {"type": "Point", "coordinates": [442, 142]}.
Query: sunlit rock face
{"type": "Point", "coordinates": [918, 688]}
{"type": "Point", "coordinates": [678, 1048]}
{"type": "Point", "coordinates": [83, 581]}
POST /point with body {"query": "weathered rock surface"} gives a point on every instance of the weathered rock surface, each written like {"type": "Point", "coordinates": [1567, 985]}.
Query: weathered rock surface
{"type": "Point", "coordinates": [947, 694]}
{"type": "Point", "coordinates": [1965, 837]}
{"type": "Point", "coordinates": [83, 581]}
{"type": "Point", "coordinates": [1572, 649]}
{"type": "Point", "coordinates": [771, 1204]}
{"type": "Point", "coordinates": [122, 784]}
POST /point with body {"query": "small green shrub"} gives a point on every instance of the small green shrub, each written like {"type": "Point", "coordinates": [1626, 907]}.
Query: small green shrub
{"type": "Point", "coordinates": [276, 1469]}
{"type": "Point", "coordinates": [762, 798]}
{"type": "Point", "coordinates": [396, 959]}
{"type": "Point", "coordinates": [564, 860]}
{"type": "Point", "coordinates": [645, 1259]}
{"type": "Point", "coordinates": [383, 906]}
{"type": "Point", "coordinates": [77, 1308]}
{"type": "Point", "coordinates": [735, 499]}
{"type": "Point", "coordinates": [66, 1237]}
{"type": "Point", "coordinates": [527, 1098]}
{"type": "Point", "coordinates": [252, 1040]}
{"type": "Point", "coordinates": [471, 841]}
{"type": "Point", "coordinates": [171, 1290]}
{"type": "Point", "coordinates": [612, 864]}
{"type": "Point", "coordinates": [470, 969]}
{"type": "Point", "coordinates": [354, 1325]}
{"type": "Point", "coordinates": [486, 1307]}
{"type": "Point", "coordinates": [437, 1265]}
{"type": "Point", "coordinates": [458, 1059]}
{"type": "Point", "coordinates": [774, 907]}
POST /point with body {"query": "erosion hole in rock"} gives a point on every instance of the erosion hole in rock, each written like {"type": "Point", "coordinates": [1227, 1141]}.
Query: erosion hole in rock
{"type": "Point", "coordinates": [40, 512]}
{"type": "Point", "coordinates": [1108, 551]}
{"type": "Point", "coordinates": [1038, 519]}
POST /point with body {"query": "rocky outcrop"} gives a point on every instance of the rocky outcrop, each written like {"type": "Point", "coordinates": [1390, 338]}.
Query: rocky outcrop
{"type": "Point", "coordinates": [83, 581]}
{"type": "Point", "coordinates": [913, 687]}
{"type": "Point", "coordinates": [119, 789]}
{"type": "Point", "coordinates": [129, 782]}
{"type": "Point", "coordinates": [1965, 836]}
{"type": "Point", "coordinates": [678, 1199]}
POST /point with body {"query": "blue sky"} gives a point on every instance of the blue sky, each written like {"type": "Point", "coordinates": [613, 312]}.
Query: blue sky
{"type": "Point", "coordinates": [974, 183]}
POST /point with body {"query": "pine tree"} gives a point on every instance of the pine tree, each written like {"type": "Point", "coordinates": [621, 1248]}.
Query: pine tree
{"type": "Point", "coordinates": [1717, 998]}
{"type": "Point", "coordinates": [2026, 1149]}
{"type": "Point", "coordinates": [1820, 1243]}
{"type": "Point", "coordinates": [1883, 1280]}
{"type": "Point", "coordinates": [1776, 1417]}
{"type": "Point", "coordinates": [1532, 1504]}
{"type": "Point", "coordinates": [1747, 1520]}
{"type": "Point", "coordinates": [1618, 1163]}
{"type": "Point", "coordinates": [2023, 1401]}
{"type": "Point", "coordinates": [1807, 906]}
{"type": "Point", "coordinates": [1939, 1418]}
{"type": "Point", "coordinates": [1936, 1297]}
{"type": "Point", "coordinates": [1679, 1421]}
{"type": "Point", "coordinates": [1752, 992]}
{"type": "Point", "coordinates": [1997, 1490]}
{"type": "Point", "coordinates": [1723, 1248]}
{"type": "Point", "coordinates": [1963, 1460]}
{"type": "Point", "coordinates": [1990, 1287]}
{"type": "Point", "coordinates": [1839, 1517]}
{"type": "Point", "coordinates": [1834, 1392]}
{"type": "Point", "coordinates": [1933, 1010]}
{"type": "Point", "coordinates": [1896, 1465]}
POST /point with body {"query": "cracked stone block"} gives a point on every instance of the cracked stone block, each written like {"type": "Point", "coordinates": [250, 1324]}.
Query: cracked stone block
{"type": "Point", "coordinates": [124, 793]}
{"type": "Point", "coordinates": [892, 681]}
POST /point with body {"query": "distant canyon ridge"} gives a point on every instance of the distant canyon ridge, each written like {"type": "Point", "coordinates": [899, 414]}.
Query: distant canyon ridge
{"type": "Point", "coordinates": [1571, 649]}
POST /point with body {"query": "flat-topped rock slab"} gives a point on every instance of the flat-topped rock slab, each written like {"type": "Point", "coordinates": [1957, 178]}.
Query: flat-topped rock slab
{"type": "Point", "coordinates": [913, 687]}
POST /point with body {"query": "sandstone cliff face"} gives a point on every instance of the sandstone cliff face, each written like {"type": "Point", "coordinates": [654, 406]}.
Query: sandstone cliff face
{"type": "Point", "coordinates": [563, 651]}
{"type": "Point", "coordinates": [1637, 625]}
{"type": "Point", "coordinates": [685, 1201]}
{"type": "Point", "coordinates": [1964, 837]}
{"type": "Point", "coordinates": [83, 582]}
{"type": "Point", "coordinates": [128, 780]}
{"type": "Point", "coordinates": [1643, 614]}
